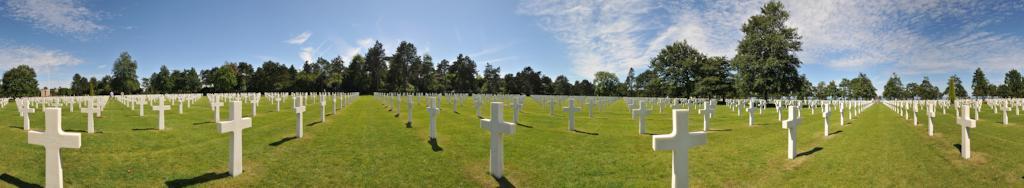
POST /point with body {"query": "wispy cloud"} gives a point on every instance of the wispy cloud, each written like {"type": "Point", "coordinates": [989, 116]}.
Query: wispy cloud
{"type": "Point", "coordinates": [306, 54]}
{"type": "Point", "coordinates": [361, 44]}
{"type": "Point", "coordinates": [56, 16]}
{"type": "Point", "coordinates": [299, 39]}
{"type": "Point", "coordinates": [912, 37]}
{"type": "Point", "coordinates": [42, 60]}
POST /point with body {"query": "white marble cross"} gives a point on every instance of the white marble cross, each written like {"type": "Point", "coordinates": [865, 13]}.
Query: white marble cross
{"type": "Point", "coordinates": [641, 113]}
{"type": "Point", "coordinates": [323, 109]}
{"type": "Point", "coordinates": [277, 100]}
{"type": "Point", "coordinates": [52, 140]}
{"type": "Point", "coordinates": [1006, 108]}
{"type": "Point", "coordinates": [517, 105]}
{"type": "Point", "coordinates": [433, 110]}
{"type": "Point", "coordinates": [679, 142]}
{"type": "Point", "coordinates": [497, 127]}
{"type": "Point", "coordinates": [180, 105]}
{"type": "Point", "coordinates": [825, 114]}
{"type": "Point", "coordinates": [842, 119]}
{"type": "Point", "coordinates": [255, 101]}
{"type": "Point", "coordinates": [142, 108]}
{"type": "Point", "coordinates": [24, 111]}
{"type": "Point", "coordinates": [235, 125]}
{"type": "Point", "coordinates": [409, 107]}
{"type": "Point", "coordinates": [571, 109]}
{"type": "Point", "coordinates": [161, 108]}
{"type": "Point", "coordinates": [966, 123]}
{"type": "Point", "coordinates": [216, 104]}
{"type": "Point", "coordinates": [89, 111]}
{"type": "Point", "coordinates": [931, 114]}
{"type": "Point", "coordinates": [750, 114]}
{"type": "Point", "coordinates": [914, 106]}
{"type": "Point", "coordinates": [299, 109]}
{"type": "Point", "coordinates": [707, 111]}
{"type": "Point", "coordinates": [791, 124]}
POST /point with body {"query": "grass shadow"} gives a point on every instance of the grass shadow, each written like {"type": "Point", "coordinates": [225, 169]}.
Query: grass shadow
{"type": "Point", "coordinates": [17, 182]}
{"type": "Point", "coordinates": [584, 132]}
{"type": "Point", "coordinates": [16, 127]}
{"type": "Point", "coordinates": [197, 180]}
{"type": "Point", "coordinates": [503, 182]}
{"type": "Point", "coordinates": [434, 146]}
{"type": "Point", "coordinates": [200, 123]}
{"type": "Point", "coordinates": [396, 115]}
{"type": "Point", "coordinates": [408, 124]}
{"type": "Point", "coordinates": [146, 129]}
{"type": "Point", "coordinates": [651, 134]}
{"type": "Point", "coordinates": [959, 148]}
{"type": "Point", "coordinates": [314, 123]}
{"type": "Point", "coordinates": [718, 130]}
{"type": "Point", "coordinates": [522, 125]}
{"type": "Point", "coordinates": [479, 117]}
{"type": "Point", "coordinates": [282, 141]}
{"type": "Point", "coordinates": [837, 132]}
{"type": "Point", "coordinates": [81, 131]}
{"type": "Point", "coordinates": [809, 152]}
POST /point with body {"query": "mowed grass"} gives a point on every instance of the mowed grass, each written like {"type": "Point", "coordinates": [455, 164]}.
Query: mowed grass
{"type": "Point", "coordinates": [368, 144]}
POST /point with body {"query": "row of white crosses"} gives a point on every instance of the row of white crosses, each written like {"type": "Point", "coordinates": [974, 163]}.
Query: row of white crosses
{"type": "Point", "coordinates": [963, 118]}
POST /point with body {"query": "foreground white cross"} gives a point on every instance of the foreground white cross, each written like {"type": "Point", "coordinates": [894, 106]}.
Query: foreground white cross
{"type": "Point", "coordinates": [299, 109]}
{"type": "Point", "coordinates": [707, 115]}
{"type": "Point", "coordinates": [433, 110]}
{"type": "Point", "coordinates": [24, 112]}
{"type": "Point", "coordinates": [571, 109]}
{"type": "Point", "coordinates": [53, 139]}
{"type": "Point", "coordinates": [679, 142]}
{"type": "Point", "coordinates": [497, 127]}
{"type": "Point", "coordinates": [89, 112]}
{"type": "Point", "coordinates": [931, 114]}
{"type": "Point", "coordinates": [791, 124]}
{"type": "Point", "coordinates": [966, 123]}
{"type": "Point", "coordinates": [642, 113]}
{"type": "Point", "coordinates": [828, 111]}
{"type": "Point", "coordinates": [235, 125]}
{"type": "Point", "coordinates": [161, 108]}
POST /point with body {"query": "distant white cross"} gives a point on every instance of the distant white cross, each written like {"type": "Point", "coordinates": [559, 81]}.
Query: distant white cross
{"type": "Point", "coordinates": [497, 127]}
{"type": "Point", "coordinates": [235, 125]}
{"type": "Point", "coordinates": [707, 115]}
{"type": "Point", "coordinates": [24, 111]}
{"type": "Point", "coordinates": [825, 116]}
{"type": "Point", "coordinates": [679, 142]}
{"type": "Point", "coordinates": [52, 140]}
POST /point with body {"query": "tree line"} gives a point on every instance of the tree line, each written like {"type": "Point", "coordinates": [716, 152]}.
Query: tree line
{"type": "Point", "coordinates": [1012, 87]}
{"type": "Point", "coordinates": [765, 66]}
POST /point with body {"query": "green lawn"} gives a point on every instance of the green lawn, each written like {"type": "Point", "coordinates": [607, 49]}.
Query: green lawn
{"type": "Point", "coordinates": [366, 145]}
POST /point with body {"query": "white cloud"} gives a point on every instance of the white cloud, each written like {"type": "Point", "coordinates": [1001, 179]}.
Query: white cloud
{"type": "Point", "coordinates": [56, 16]}
{"type": "Point", "coordinates": [42, 60]}
{"type": "Point", "coordinates": [299, 39]}
{"type": "Point", "coordinates": [911, 37]}
{"type": "Point", "coordinates": [306, 54]}
{"type": "Point", "coordinates": [361, 44]}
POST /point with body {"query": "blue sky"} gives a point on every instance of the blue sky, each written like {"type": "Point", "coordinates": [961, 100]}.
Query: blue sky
{"type": "Point", "coordinates": [914, 38]}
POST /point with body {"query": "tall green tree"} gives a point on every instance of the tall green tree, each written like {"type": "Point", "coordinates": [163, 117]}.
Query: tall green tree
{"type": "Point", "coordinates": [956, 88]}
{"type": "Point", "coordinates": [1014, 83]}
{"type": "Point", "coordinates": [492, 82]}
{"type": "Point", "coordinates": [714, 80]}
{"type": "Point", "coordinates": [124, 78]}
{"type": "Point", "coordinates": [562, 86]}
{"type": "Point", "coordinates": [376, 68]}
{"type": "Point", "coordinates": [20, 81]}
{"type": "Point", "coordinates": [606, 84]}
{"type": "Point", "coordinates": [399, 67]}
{"type": "Point", "coordinates": [893, 88]}
{"type": "Point", "coordinates": [765, 61]}
{"type": "Point", "coordinates": [463, 72]}
{"type": "Point", "coordinates": [679, 66]}
{"type": "Point", "coordinates": [979, 85]}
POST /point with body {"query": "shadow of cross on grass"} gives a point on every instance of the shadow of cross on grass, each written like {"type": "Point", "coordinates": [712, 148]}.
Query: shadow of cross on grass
{"type": "Point", "coordinates": [809, 152]}
{"type": "Point", "coordinates": [434, 146]}
{"type": "Point", "coordinates": [197, 180]}
{"type": "Point", "coordinates": [282, 141]}
{"type": "Point", "coordinates": [17, 182]}
{"type": "Point", "coordinates": [503, 182]}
